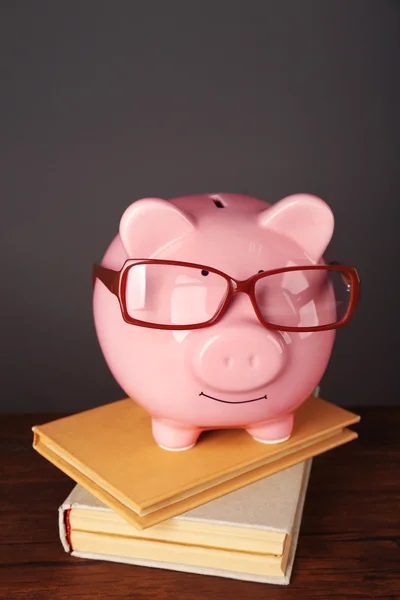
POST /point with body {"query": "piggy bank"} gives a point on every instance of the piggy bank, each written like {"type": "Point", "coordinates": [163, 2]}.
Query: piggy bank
{"type": "Point", "coordinates": [218, 311]}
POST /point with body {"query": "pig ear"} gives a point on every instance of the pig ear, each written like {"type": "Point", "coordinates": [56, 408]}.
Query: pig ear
{"type": "Point", "coordinates": [306, 219]}
{"type": "Point", "coordinates": [149, 224]}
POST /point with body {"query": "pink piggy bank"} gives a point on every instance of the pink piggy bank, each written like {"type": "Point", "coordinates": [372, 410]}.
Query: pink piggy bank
{"type": "Point", "coordinates": [218, 311]}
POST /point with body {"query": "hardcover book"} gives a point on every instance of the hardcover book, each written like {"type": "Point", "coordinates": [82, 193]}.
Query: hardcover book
{"type": "Point", "coordinates": [249, 534]}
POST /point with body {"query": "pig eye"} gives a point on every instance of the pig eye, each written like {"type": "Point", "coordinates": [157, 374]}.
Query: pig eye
{"type": "Point", "coordinates": [261, 271]}
{"type": "Point", "coordinates": [205, 273]}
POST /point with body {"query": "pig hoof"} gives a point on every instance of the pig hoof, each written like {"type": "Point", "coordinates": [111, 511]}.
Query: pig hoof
{"type": "Point", "coordinates": [177, 449]}
{"type": "Point", "coordinates": [170, 436]}
{"type": "Point", "coordinates": [273, 432]}
{"type": "Point", "coordinates": [285, 439]}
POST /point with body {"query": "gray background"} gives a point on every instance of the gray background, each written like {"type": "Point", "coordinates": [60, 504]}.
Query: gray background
{"type": "Point", "coordinates": [106, 102]}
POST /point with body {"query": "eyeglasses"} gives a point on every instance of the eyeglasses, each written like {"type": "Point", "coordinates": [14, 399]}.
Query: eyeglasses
{"type": "Point", "coordinates": [167, 294]}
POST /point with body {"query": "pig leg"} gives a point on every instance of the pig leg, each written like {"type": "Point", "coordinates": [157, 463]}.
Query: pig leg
{"type": "Point", "coordinates": [172, 435]}
{"type": "Point", "coordinates": [272, 432]}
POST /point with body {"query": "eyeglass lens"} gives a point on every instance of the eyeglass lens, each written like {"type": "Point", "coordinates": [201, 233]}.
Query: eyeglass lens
{"type": "Point", "coordinates": [173, 295]}
{"type": "Point", "coordinates": [309, 298]}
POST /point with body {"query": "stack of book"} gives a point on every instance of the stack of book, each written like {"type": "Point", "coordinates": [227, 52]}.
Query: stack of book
{"type": "Point", "coordinates": [230, 506]}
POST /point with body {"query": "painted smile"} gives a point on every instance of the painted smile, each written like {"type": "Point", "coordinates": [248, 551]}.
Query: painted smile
{"type": "Point", "coordinates": [231, 402]}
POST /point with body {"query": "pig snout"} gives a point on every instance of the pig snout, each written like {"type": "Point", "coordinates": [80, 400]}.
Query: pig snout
{"type": "Point", "coordinates": [237, 359]}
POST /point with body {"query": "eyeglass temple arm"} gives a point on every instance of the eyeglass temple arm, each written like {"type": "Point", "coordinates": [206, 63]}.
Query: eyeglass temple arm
{"type": "Point", "coordinates": [107, 276]}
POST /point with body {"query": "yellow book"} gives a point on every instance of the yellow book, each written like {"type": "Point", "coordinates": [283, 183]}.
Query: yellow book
{"type": "Point", "coordinates": [111, 452]}
{"type": "Point", "coordinates": [250, 533]}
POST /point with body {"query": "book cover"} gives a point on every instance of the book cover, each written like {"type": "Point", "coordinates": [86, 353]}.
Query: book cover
{"type": "Point", "coordinates": [110, 451]}
{"type": "Point", "coordinates": [248, 534]}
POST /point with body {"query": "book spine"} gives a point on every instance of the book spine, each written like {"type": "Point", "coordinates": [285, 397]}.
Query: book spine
{"type": "Point", "coordinates": [64, 527]}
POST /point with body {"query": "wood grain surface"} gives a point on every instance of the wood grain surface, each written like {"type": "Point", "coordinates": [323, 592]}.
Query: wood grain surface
{"type": "Point", "coordinates": [349, 545]}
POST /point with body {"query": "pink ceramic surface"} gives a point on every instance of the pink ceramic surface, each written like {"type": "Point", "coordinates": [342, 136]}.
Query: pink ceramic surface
{"type": "Point", "coordinates": [236, 372]}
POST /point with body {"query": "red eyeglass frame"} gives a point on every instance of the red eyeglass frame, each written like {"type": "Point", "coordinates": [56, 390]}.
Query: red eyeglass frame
{"type": "Point", "coordinates": [115, 281]}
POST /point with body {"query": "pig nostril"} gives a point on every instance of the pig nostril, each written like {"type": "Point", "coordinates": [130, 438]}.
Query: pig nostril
{"type": "Point", "coordinates": [228, 362]}
{"type": "Point", "coordinates": [254, 361]}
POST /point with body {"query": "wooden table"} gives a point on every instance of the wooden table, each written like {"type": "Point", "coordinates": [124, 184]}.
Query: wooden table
{"type": "Point", "coordinates": [349, 545]}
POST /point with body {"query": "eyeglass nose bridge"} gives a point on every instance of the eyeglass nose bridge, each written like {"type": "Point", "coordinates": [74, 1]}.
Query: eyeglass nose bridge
{"type": "Point", "coordinates": [241, 286]}
{"type": "Point", "coordinates": [246, 287]}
